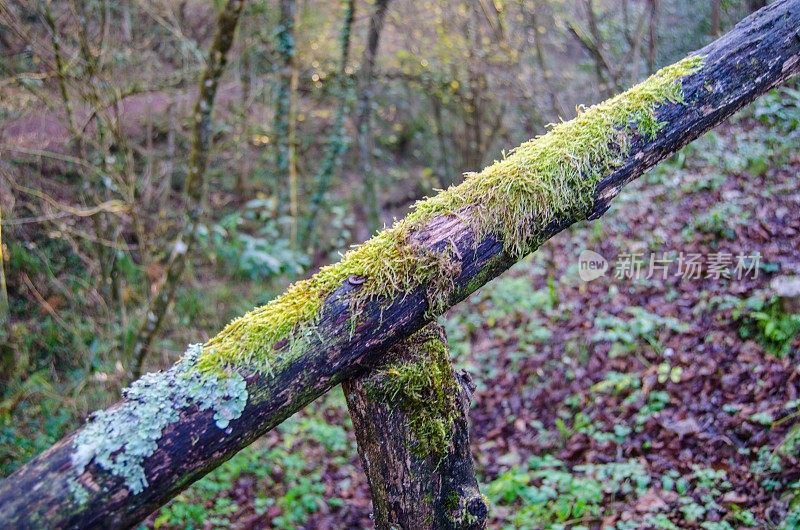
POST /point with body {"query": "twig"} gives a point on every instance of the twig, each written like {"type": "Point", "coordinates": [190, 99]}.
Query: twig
{"type": "Point", "coordinates": [42, 302]}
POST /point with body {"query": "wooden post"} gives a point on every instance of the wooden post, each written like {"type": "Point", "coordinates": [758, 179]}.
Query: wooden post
{"type": "Point", "coordinates": [410, 419]}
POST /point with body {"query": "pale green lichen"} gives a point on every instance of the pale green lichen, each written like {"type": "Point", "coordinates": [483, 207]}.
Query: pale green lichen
{"type": "Point", "coordinates": [425, 390]}
{"type": "Point", "coordinates": [121, 438]}
{"type": "Point", "coordinates": [78, 492]}
{"type": "Point", "coordinates": [545, 179]}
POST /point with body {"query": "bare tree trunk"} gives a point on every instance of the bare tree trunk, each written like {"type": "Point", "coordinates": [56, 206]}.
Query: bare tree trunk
{"type": "Point", "coordinates": [410, 420]}
{"type": "Point", "coordinates": [285, 126]}
{"type": "Point", "coordinates": [474, 148]}
{"type": "Point", "coordinates": [715, 17]}
{"type": "Point", "coordinates": [446, 170]}
{"type": "Point", "coordinates": [364, 114]}
{"type": "Point", "coordinates": [243, 166]}
{"type": "Point", "coordinates": [187, 421]}
{"type": "Point", "coordinates": [652, 39]}
{"type": "Point", "coordinates": [195, 182]}
{"type": "Point", "coordinates": [337, 140]}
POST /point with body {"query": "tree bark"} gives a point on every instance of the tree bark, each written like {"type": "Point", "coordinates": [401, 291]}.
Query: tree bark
{"type": "Point", "coordinates": [759, 53]}
{"type": "Point", "coordinates": [424, 487]}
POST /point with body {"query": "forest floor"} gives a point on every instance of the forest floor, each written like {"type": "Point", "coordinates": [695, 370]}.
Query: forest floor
{"type": "Point", "coordinates": [635, 400]}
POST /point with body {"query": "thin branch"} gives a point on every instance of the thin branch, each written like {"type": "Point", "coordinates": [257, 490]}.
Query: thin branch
{"type": "Point", "coordinates": [195, 182]}
{"type": "Point", "coordinates": [337, 141]}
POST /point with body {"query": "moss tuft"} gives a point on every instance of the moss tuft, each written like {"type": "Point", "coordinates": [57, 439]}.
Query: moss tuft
{"type": "Point", "coordinates": [386, 263]}
{"type": "Point", "coordinates": [545, 179]}
{"type": "Point", "coordinates": [425, 390]}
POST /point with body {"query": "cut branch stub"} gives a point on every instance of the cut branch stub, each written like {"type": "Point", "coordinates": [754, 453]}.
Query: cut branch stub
{"type": "Point", "coordinates": [410, 420]}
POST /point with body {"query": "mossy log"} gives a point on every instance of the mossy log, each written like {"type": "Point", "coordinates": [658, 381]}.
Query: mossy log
{"type": "Point", "coordinates": [410, 420]}
{"type": "Point", "coordinates": [267, 366]}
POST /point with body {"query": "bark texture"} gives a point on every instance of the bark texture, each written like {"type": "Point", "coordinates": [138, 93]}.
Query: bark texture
{"type": "Point", "coordinates": [759, 53]}
{"type": "Point", "coordinates": [414, 490]}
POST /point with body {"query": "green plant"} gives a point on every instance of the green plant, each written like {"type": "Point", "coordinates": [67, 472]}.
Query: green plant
{"type": "Point", "coordinates": [549, 495]}
{"type": "Point", "coordinates": [766, 321]}
{"type": "Point", "coordinates": [657, 401]}
{"type": "Point", "coordinates": [625, 335]}
{"type": "Point", "coordinates": [618, 383]}
{"type": "Point", "coordinates": [249, 244]}
{"type": "Point", "coordinates": [791, 521]}
{"type": "Point", "coordinates": [720, 221]}
{"type": "Point", "coordinates": [780, 108]}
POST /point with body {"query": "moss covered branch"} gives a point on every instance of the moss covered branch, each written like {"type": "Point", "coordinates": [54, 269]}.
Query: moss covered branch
{"type": "Point", "coordinates": [333, 326]}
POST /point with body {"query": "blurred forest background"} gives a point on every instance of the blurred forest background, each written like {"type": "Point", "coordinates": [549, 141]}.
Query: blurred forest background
{"type": "Point", "coordinates": [132, 225]}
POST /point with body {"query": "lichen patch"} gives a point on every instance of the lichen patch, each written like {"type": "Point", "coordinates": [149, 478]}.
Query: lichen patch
{"type": "Point", "coordinates": [119, 439]}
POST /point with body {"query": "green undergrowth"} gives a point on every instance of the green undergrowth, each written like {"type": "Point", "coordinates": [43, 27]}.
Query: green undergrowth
{"type": "Point", "coordinates": [766, 321]}
{"type": "Point", "coordinates": [423, 388]}
{"type": "Point", "coordinates": [548, 494]}
{"type": "Point", "coordinates": [550, 177]}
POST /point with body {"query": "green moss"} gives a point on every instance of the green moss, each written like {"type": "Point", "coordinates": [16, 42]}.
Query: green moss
{"type": "Point", "coordinates": [119, 439]}
{"type": "Point", "coordinates": [452, 502]}
{"type": "Point", "coordinates": [425, 390]}
{"type": "Point", "coordinates": [547, 178]}
{"type": "Point", "coordinates": [554, 175]}
{"type": "Point", "coordinates": [387, 264]}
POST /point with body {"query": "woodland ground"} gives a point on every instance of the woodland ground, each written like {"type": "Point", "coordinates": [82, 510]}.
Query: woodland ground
{"type": "Point", "coordinates": [618, 403]}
